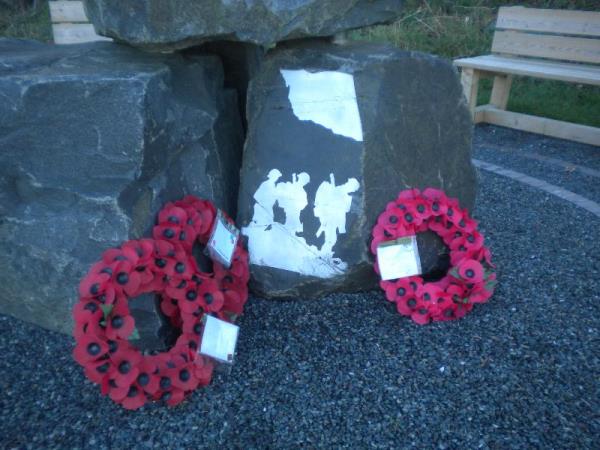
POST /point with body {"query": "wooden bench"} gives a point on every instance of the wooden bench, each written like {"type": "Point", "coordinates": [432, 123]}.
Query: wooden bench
{"type": "Point", "coordinates": [70, 24]}
{"type": "Point", "coordinates": [543, 43]}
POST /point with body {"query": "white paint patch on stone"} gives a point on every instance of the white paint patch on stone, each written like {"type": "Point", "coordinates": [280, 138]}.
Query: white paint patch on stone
{"type": "Point", "coordinates": [282, 246]}
{"type": "Point", "coordinates": [327, 98]}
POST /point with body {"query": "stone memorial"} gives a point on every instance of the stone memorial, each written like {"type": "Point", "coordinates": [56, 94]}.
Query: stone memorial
{"type": "Point", "coordinates": [94, 139]}
{"type": "Point", "coordinates": [176, 24]}
{"type": "Point", "coordinates": [334, 133]}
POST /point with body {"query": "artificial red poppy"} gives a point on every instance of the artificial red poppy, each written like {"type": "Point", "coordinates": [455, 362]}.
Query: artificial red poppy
{"type": "Point", "coordinates": [421, 314]}
{"type": "Point", "coordinates": [126, 366]}
{"type": "Point", "coordinates": [203, 369]}
{"type": "Point", "coordinates": [470, 270]}
{"type": "Point", "coordinates": [119, 323]}
{"type": "Point", "coordinates": [89, 348]}
{"type": "Point", "coordinates": [211, 298]}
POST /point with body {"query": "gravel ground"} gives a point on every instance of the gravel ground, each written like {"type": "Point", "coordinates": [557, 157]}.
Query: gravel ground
{"type": "Point", "coordinates": [513, 149]}
{"type": "Point", "coordinates": [519, 372]}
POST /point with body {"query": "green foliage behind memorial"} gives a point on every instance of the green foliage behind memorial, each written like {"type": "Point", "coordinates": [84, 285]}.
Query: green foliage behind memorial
{"type": "Point", "coordinates": [463, 28]}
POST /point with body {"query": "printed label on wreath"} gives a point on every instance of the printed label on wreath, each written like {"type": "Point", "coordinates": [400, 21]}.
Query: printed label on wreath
{"type": "Point", "coordinates": [223, 239]}
{"type": "Point", "coordinates": [219, 339]}
{"type": "Point", "coordinates": [399, 258]}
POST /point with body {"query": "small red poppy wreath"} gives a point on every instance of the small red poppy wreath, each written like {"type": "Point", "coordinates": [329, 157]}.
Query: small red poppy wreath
{"type": "Point", "coordinates": [471, 278]}
{"type": "Point", "coordinates": [163, 265]}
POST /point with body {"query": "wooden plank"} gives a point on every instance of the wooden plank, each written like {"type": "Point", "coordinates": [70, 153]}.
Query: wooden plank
{"type": "Point", "coordinates": [500, 91]}
{"type": "Point", "coordinates": [67, 11]}
{"type": "Point", "coordinates": [541, 125]}
{"type": "Point", "coordinates": [75, 33]}
{"type": "Point", "coordinates": [575, 73]}
{"type": "Point", "coordinates": [470, 83]}
{"type": "Point", "coordinates": [545, 46]}
{"type": "Point", "coordinates": [554, 21]}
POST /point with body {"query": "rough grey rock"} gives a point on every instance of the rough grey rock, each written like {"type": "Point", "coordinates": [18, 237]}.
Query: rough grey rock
{"type": "Point", "coordinates": [175, 24]}
{"type": "Point", "coordinates": [312, 187]}
{"type": "Point", "coordinates": [241, 61]}
{"type": "Point", "coordinates": [93, 140]}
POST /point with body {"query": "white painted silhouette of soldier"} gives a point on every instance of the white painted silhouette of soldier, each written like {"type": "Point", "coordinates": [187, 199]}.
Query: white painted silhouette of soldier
{"type": "Point", "coordinates": [332, 203]}
{"type": "Point", "coordinates": [266, 198]}
{"type": "Point", "coordinates": [292, 198]}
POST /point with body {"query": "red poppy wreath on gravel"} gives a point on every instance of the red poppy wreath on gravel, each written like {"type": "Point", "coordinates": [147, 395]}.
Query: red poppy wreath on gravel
{"type": "Point", "coordinates": [165, 266]}
{"type": "Point", "coordinates": [471, 278]}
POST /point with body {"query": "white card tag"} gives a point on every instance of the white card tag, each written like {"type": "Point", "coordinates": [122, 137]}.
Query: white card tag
{"type": "Point", "coordinates": [219, 339]}
{"type": "Point", "coordinates": [223, 239]}
{"type": "Point", "coordinates": [399, 258]}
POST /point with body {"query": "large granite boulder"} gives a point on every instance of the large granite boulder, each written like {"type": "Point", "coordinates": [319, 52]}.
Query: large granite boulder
{"type": "Point", "coordinates": [334, 133]}
{"type": "Point", "coordinates": [174, 24]}
{"type": "Point", "coordinates": [93, 140]}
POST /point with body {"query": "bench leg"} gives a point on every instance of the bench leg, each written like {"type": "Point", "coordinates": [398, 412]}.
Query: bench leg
{"type": "Point", "coordinates": [470, 83]}
{"type": "Point", "coordinates": [501, 90]}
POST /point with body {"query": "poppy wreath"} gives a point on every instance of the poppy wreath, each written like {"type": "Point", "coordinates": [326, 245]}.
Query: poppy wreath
{"type": "Point", "coordinates": [471, 278]}
{"type": "Point", "coordinates": [165, 266]}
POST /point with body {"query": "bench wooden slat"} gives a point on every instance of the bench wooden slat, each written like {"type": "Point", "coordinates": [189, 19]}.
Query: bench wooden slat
{"type": "Point", "coordinates": [541, 125]}
{"type": "Point", "coordinates": [67, 11]}
{"type": "Point", "coordinates": [546, 46]}
{"type": "Point", "coordinates": [583, 23]}
{"type": "Point", "coordinates": [75, 33]}
{"type": "Point", "coordinates": [574, 73]}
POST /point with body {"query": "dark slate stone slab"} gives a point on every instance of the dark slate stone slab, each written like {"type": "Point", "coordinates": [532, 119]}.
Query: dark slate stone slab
{"type": "Point", "coordinates": [94, 139]}
{"type": "Point", "coordinates": [335, 132]}
{"type": "Point", "coordinates": [175, 24]}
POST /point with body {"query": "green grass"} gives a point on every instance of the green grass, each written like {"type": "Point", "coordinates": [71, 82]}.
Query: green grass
{"type": "Point", "coordinates": [454, 29]}
{"type": "Point", "coordinates": [25, 23]}
{"type": "Point", "coordinates": [451, 29]}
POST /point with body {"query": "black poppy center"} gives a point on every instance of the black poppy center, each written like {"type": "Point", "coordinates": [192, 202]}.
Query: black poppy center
{"type": "Point", "coordinates": [426, 296]}
{"type": "Point", "coordinates": [184, 375]}
{"type": "Point", "coordinates": [124, 367]}
{"type": "Point", "coordinates": [191, 295]}
{"type": "Point", "coordinates": [168, 233]}
{"type": "Point", "coordinates": [198, 328]}
{"type": "Point", "coordinates": [112, 346]}
{"type": "Point", "coordinates": [103, 368]}
{"type": "Point", "coordinates": [470, 273]}
{"type": "Point", "coordinates": [471, 239]}
{"type": "Point", "coordinates": [165, 383]}
{"type": "Point", "coordinates": [133, 391]}
{"type": "Point", "coordinates": [94, 288]}
{"type": "Point", "coordinates": [122, 278]}
{"type": "Point", "coordinates": [173, 219]}
{"type": "Point", "coordinates": [91, 307]}
{"type": "Point", "coordinates": [393, 219]}
{"type": "Point", "coordinates": [411, 303]}
{"type": "Point", "coordinates": [408, 217]}
{"type": "Point", "coordinates": [435, 206]}
{"type": "Point", "coordinates": [93, 349]}
{"type": "Point", "coordinates": [421, 208]}
{"type": "Point", "coordinates": [143, 379]}
{"type": "Point", "coordinates": [117, 322]}
{"type": "Point", "coordinates": [180, 267]}
{"type": "Point", "coordinates": [401, 291]}
{"type": "Point", "coordinates": [160, 262]}
{"type": "Point", "coordinates": [182, 236]}
{"type": "Point", "coordinates": [208, 298]}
